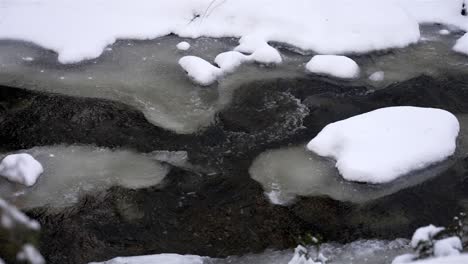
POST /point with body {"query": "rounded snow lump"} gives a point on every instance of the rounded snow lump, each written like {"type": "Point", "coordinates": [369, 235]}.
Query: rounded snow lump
{"type": "Point", "coordinates": [334, 65]}
{"type": "Point", "coordinates": [21, 168]}
{"type": "Point", "coordinates": [384, 144]}
{"type": "Point", "coordinates": [184, 45]}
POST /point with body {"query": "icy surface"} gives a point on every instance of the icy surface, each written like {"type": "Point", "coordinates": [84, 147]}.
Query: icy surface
{"type": "Point", "coordinates": [325, 26]}
{"type": "Point", "coordinates": [382, 145]}
{"type": "Point", "coordinates": [377, 76]}
{"type": "Point", "coordinates": [21, 168]}
{"type": "Point", "coordinates": [288, 172]}
{"type": "Point", "coordinates": [183, 45]}
{"type": "Point", "coordinates": [71, 171]}
{"type": "Point", "coordinates": [155, 259]}
{"type": "Point", "coordinates": [424, 234]}
{"type": "Point", "coordinates": [338, 66]}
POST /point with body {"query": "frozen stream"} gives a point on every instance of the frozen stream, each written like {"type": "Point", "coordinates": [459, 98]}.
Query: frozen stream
{"type": "Point", "coordinates": [71, 171]}
{"type": "Point", "coordinates": [287, 172]}
{"type": "Point", "coordinates": [145, 74]}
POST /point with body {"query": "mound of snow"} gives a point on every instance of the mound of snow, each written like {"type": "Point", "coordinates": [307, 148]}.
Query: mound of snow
{"type": "Point", "coordinates": [230, 60]}
{"type": "Point", "coordinates": [338, 66]}
{"type": "Point", "coordinates": [382, 145]}
{"type": "Point", "coordinates": [201, 71]}
{"type": "Point", "coordinates": [325, 26]}
{"type": "Point", "coordinates": [156, 259]}
{"type": "Point", "coordinates": [444, 32]}
{"type": "Point", "coordinates": [448, 247]}
{"type": "Point", "coordinates": [21, 168]}
{"type": "Point", "coordinates": [424, 234]}
{"type": "Point", "coordinates": [462, 44]}
{"type": "Point", "coordinates": [184, 45]}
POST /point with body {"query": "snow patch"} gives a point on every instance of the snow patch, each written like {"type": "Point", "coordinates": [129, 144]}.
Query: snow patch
{"type": "Point", "coordinates": [159, 258]}
{"type": "Point", "coordinates": [184, 45]}
{"type": "Point", "coordinates": [201, 71]}
{"type": "Point", "coordinates": [444, 32]}
{"type": "Point", "coordinates": [448, 247]}
{"type": "Point", "coordinates": [338, 66]}
{"type": "Point", "coordinates": [21, 168]}
{"type": "Point", "coordinates": [425, 233]}
{"type": "Point", "coordinates": [384, 144]}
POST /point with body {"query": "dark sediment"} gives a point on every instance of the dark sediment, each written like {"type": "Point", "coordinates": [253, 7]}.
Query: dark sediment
{"type": "Point", "coordinates": [224, 212]}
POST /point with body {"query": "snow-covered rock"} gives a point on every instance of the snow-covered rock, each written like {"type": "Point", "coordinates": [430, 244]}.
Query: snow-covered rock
{"type": "Point", "coordinates": [300, 256]}
{"type": "Point", "coordinates": [325, 26]}
{"type": "Point", "coordinates": [266, 54]}
{"type": "Point", "coordinates": [21, 168]}
{"type": "Point", "coordinates": [461, 45]}
{"type": "Point", "coordinates": [338, 66]}
{"type": "Point", "coordinates": [184, 45]}
{"type": "Point", "coordinates": [448, 247]}
{"type": "Point", "coordinates": [201, 71]}
{"type": "Point", "coordinates": [377, 76]}
{"type": "Point", "coordinates": [156, 259]}
{"type": "Point", "coordinates": [384, 144]}
{"type": "Point", "coordinates": [425, 233]}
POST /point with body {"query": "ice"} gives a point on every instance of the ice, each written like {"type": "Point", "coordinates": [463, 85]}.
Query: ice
{"type": "Point", "coordinates": [71, 171]}
{"type": "Point", "coordinates": [155, 259]}
{"type": "Point", "coordinates": [377, 76]}
{"type": "Point", "coordinates": [288, 172]}
{"type": "Point", "coordinates": [384, 144]}
{"type": "Point", "coordinates": [337, 66]}
{"type": "Point", "coordinates": [183, 45]}
{"type": "Point", "coordinates": [21, 168]}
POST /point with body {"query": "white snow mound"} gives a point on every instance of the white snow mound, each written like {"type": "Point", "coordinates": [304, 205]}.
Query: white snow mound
{"type": "Point", "coordinates": [425, 233]}
{"type": "Point", "coordinates": [184, 45]}
{"type": "Point", "coordinates": [384, 144]}
{"type": "Point", "coordinates": [155, 259]}
{"type": "Point", "coordinates": [338, 66]}
{"type": "Point", "coordinates": [201, 71]}
{"type": "Point", "coordinates": [21, 168]}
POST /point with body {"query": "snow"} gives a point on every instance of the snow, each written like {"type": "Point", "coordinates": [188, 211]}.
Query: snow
{"type": "Point", "coordinates": [266, 54]}
{"type": "Point", "coordinates": [201, 71]}
{"type": "Point", "coordinates": [338, 66]}
{"type": "Point", "coordinates": [425, 233]}
{"type": "Point", "coordinates": [448, 247]}
{"type": "Point", "coordinates": [230, 60]}
{"type": "Point", "coordinates": [384, 144]}
{"type": "Point", "coordinates": [444, 32]}
{"type": "Point", "coordinates": [377, 76]}
{"type": "Point", "coordinates": [403, 259]}
{"type": "Point", "coordinates": [300, 257]}
{"type": "Point", "coordinates": [324, 26]}
{"type": "Point", "coordinates": [12, 216]}
{"type": "Point", "coordinates": [30, 255]}
{"type": "Point", "coordinates": [184, 45]}
{"type": "Point", "coordinates": [460, 259]}
{"type": "Point", "coordinates": [155, 259]}
{"type": "Point", "coordinates": [21, 168]}
{"type": "Point", "coordinates": [461, 45]}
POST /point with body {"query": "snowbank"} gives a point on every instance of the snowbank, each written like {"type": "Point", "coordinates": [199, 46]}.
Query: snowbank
{"type": "Point", "coordinates": [325, 26]}
{"type": "Point", "coordinates": [382, 145]}
{"type": "Point", "coordinates": [159, 258]}
{"type": "Point", "coordinates": [448, 247]}
{"type": "Point", "coordinates": [338, 66]}
{"type": "Point", "coordinates": [21, 168]}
